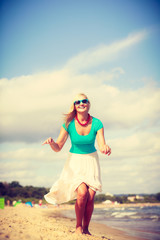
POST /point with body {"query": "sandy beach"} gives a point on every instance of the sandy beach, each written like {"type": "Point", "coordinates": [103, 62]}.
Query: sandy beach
{"type": "Point", "coordinates": [22, 222]}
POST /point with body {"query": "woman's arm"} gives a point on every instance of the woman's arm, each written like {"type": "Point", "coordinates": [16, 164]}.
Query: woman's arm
{"type": "Point", "coordinates": [103, 147]}
{"type": "Point", "coordinates": [57, 146]}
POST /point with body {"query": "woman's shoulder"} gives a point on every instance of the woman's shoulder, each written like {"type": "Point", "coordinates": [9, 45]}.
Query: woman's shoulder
{"type": "Point", "coordinates": [69, 126]}
{"type": "Point", "coordinates": [97, 123]}
{"type": "Point", "coordinates": [71, 122]}
{"type": "Point", "coordinates": [96, 120]}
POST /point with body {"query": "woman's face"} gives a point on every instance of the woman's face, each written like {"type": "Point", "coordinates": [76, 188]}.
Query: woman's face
{"type": "Point", "coordinates": [81, 107]}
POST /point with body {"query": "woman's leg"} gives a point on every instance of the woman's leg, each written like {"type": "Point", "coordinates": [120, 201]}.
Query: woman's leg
{"type": "Point", "coordinates": [82, 195]}
{"type": "Point", "coordinates": [88, 211]}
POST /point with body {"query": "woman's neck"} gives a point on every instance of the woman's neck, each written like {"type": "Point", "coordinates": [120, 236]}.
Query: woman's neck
{"type": "Point", "coordinates": [82, 116]}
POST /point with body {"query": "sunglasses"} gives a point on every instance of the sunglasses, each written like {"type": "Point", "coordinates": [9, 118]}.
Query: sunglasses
{"type": "Point", "coordinates": [85, 101]}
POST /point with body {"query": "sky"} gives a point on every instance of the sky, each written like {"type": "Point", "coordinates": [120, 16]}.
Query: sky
{"type": "Point", "coordinates": [107, 49]}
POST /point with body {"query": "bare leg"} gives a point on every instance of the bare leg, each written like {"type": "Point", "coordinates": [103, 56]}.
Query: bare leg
{"type": "Point", "coordinates": [82, 195]}
{"type": "Point", "coordinates": [88, 211]}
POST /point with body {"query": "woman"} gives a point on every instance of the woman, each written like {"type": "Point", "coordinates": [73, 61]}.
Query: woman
{"type": "Point", "coordinates": [80, 178]}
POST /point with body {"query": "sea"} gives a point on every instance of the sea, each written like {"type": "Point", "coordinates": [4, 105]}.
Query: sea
{"type": "Point", "coordinates": [140, 221]}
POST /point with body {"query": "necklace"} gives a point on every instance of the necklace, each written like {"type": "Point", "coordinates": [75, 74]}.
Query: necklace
{"type": "Point", "coordinates": [83, 124]}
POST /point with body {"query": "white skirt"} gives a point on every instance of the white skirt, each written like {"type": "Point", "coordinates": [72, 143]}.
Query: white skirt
{"type": "Point", "coordinates": [79, 168]}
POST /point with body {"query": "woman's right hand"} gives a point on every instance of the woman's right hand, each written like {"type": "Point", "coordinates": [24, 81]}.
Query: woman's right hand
{"type": "Point", "coordinates": [57, 146]}
{"type": "Point", "coordinates": [48, 141]}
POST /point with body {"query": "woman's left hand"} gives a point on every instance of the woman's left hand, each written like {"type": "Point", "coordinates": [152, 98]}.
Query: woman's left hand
{"type": "Point", "coordinates": [106, 150]}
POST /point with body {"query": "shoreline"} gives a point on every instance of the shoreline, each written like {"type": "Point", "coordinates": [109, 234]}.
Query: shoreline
{"type": "Point", "coordinates": [100, 230]}
{"type": "Point", "coordinates": [22, 222]}
{"type": "Point", "coordinates": [127, 205]}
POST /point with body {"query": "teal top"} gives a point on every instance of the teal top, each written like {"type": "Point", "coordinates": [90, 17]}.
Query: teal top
{"type": "Point", "coordinates": [83, 144]}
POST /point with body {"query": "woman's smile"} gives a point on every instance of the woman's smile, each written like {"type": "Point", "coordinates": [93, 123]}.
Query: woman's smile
{"type": "Point", "coordinates": [82, 107]}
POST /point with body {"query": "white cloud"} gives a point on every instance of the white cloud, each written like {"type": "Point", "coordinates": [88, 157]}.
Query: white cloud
{"type": "Point", "coordinates": [133, 166]}
{"type": "Point", "coordinates": [26, 155]}
{"type": "Point", "coordinates": [31, 109]}
{"type": "Point", "coordinates": [103, 53]}
{"type": "Point", "coordinates": [38, 167]}
{"type": "Point", "coordinates": [136, 145]}
{"type": "Point", "coordinates": [16, 170]}
{"type": "Point", "coordinates": [128, 108]}
{"type": "Point", "coordinates": [131, 175]}
{"type": "Point", "coordinates": [32, 106]}
{"type": "Point", "coordinates": [28, 114]}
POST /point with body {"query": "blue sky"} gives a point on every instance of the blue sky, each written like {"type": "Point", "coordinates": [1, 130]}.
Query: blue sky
{"type": "Point", "coordinates": [52, 50]}
{"type": "Point", "coordinates": [42, 35]}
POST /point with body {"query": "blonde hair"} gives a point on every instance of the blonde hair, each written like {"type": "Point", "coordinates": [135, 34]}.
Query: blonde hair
{"type": "Point", "coordinates": [72, 112]}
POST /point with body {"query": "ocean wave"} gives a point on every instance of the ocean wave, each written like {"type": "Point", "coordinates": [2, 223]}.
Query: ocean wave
{"type": "Point", "coordinates": [122, 214]}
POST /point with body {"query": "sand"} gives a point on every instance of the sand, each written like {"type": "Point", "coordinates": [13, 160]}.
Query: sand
{"type": "Point", "coordinates": [26, 223]}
